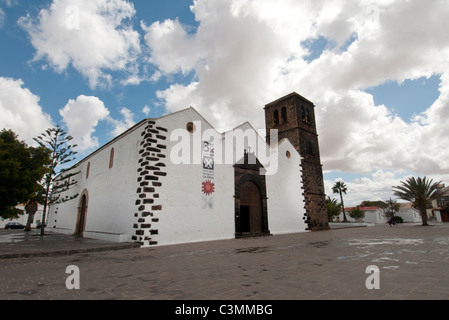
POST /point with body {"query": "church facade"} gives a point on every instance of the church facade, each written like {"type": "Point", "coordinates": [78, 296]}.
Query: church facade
{"type": "Point", "coordinates": [176, 179]}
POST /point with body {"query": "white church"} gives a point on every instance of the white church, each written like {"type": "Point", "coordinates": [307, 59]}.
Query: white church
{"type": "Point", "coordinates": [175, 179]}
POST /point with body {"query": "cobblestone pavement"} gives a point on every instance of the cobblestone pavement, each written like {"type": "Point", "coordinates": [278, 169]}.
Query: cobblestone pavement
{"type": "Point", "coordinates": [413, 263]}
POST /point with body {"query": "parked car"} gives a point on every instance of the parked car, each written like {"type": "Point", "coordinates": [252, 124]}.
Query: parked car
{"type": "Point", "coordinates": [39, 225]}
{"type": "Point", "coordinates": [14, 225]}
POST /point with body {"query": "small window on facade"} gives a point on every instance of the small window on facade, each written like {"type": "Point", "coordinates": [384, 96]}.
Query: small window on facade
{"type": "Point", "coordinates": [284, 115]}
{"type": "Point", "coordinates": [276, 118]}
{"type": "Point", "coordinates": [288, 154]}
{"type": "Point", "coordinates": [111, 159]}
{"type": "Point", "coordinates": [87, 171]}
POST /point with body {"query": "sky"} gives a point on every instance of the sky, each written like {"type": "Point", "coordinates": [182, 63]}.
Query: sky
{"type": "Point", "coordinates": [376, 70]}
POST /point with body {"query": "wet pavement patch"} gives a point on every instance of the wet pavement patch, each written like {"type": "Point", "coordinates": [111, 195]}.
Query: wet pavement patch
{"type": "Point", "coordinates": [252, 250]}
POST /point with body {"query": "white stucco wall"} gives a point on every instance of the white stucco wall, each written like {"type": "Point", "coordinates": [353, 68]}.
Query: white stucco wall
{"type": "Point", "coordinates": [409, 215]}
{"type": "Point", "coordinates": [284, 190]}
{"type": "Point", "coordinates": [112, 193]}
{"type": "Point", "coordinates": [375, 216]}
{"type": "Point", "coordinates": [182, 218]}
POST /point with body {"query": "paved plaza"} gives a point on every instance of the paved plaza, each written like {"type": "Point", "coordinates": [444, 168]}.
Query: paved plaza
{"type": "Point", "coordinates": [412, 263]}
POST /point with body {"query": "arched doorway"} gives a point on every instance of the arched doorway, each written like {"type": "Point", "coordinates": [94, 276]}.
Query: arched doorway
{"type": "Point", "coordinates": [82, 214]}
{"type": "Point", "coordinates": [250, 209]}
{"type": "Point", "coordinates": [251, 212]}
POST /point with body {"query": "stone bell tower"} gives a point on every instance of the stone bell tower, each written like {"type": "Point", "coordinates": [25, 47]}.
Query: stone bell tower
{"type": "Point", "coordinates": [294, 118]}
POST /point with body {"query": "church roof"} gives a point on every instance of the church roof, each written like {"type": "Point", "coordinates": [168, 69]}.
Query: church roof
{"type": "Point", "coordinates": [293, 94]}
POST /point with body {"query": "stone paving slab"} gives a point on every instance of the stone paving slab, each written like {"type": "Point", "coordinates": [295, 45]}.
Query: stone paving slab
{"type": "Point", "coordinates": [413, 263]}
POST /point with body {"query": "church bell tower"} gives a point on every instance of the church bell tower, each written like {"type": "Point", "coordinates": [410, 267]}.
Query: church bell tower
{"type": "Point", "coordinates": [294, 118]}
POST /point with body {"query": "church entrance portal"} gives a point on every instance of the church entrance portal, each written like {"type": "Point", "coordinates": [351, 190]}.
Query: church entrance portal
{"type": "Point", "coordinates": [250, 209]}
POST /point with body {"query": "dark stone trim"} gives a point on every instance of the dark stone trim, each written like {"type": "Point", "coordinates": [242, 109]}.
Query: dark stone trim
{"type": "Point", "coordinates": [150, 170]}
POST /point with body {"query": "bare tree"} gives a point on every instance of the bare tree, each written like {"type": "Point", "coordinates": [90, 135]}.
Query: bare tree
{"type": "Point", "coordinates": [389, 208]}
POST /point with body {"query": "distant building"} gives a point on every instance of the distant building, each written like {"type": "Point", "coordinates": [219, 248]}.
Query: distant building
{"type": "Point", "coordinates": [408, 213]}
{"type": "Point", "coordinates": [438, 211]}
{"type": "Point", "coordinates": [376, 215]}
{"type": "Point", "coordinates": [23, 218]}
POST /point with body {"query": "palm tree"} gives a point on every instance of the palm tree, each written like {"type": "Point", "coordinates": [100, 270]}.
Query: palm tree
{"type": "Point", "coordinates": [340, 187]}
{"type": "Point", "coordinates": [333, 208]}
{"type": "Point", "coordinates": [421, 192]}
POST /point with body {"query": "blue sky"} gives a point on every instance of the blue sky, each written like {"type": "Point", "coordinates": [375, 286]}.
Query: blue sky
{"type": "Point", "coordinates": [55, 89]}
{"type": "Point", "coordinates": [379, 80]}
{"type": "Point", "coordinates": [409, 98]}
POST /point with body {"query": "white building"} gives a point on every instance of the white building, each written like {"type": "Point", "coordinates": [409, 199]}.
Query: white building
{"type": "Point", "coordinates": [377, 216]}
{"type": "Point", "coordinates": [408, 213]}
{"type": "Point", "coordinates": [372, 215]}
{"type": "Point", "coordinates": [438, 213]}
{"type": "Point", "coordinates": [175, 179]}
{"type": "Point", "coordinates": [22, 219]}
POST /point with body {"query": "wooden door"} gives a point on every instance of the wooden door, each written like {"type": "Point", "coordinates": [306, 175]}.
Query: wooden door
{"type": "Point", "coordinates": [250, 200]}
{"type": "Point", "coordinates": [82, 216]}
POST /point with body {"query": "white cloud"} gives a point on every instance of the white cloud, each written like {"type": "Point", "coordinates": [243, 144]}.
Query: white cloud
{"type": "Point", "coordinates": [20, 110]}
{"type": "Point", "coordinates": [167, 41]}
{"type": "Point", "coordinates": [374, 187]}
{"type": "Point", "coordinates": [94, 36]}
{"type": "Point", "coordinates": [121, 126]}
{"type": "Point", "coordinates": [81, 116]}
{"type": "Point", "coordinates": [10, 3]}
{"type": "Point", "coordinates": [146, 110]}
{"type": "Point", "coordinates": [2, 18]}
{"type": "Point", "coordinates": [245, 54]}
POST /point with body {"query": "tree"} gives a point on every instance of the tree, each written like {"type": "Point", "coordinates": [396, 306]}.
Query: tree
{"type": "Point", "coordinates": [31, 208]}
{"type": "Point", "coordinates": [56, 181]}
{"type": "Point", "coordinates": [340, 188]}
{"type": "Point", "coordinates": [377, 203]}
{"type": "Point", "coordinates": [333, 208]}
{"type": "Point", "coordinates": [421, 192]}
{"type": "Point", "coordinates": [357, 213]}
{"type": "Point", "coordinates": [389, 208]}
{"type": "Point", "coordinates": [21, 170]}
